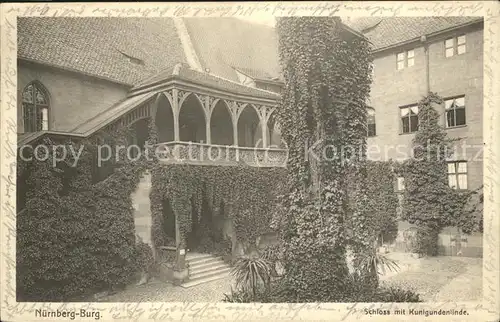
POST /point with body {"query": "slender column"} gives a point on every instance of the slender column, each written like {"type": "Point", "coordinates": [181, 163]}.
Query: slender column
{"type": "Point", "coordinates": [175, 110]}
{"type": "Point", "coordinates": [235, 132]}
{"type": "Point", "coordinates": [264, 115]}
{"type": "Point", "coordinates": [208, 114]}
{"type": "Point", "coordinates": [234, 117]}
{"type": "Point", "coordinates": [264, 133]}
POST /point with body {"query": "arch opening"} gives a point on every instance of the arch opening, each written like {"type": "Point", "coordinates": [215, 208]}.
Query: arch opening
{"type": "Point", "coordinates": [164, 120]}
{"type": "Point", "coordinates": [249, 130]}
{"type": "Point", "coordinates": [221, 125]}
{"type": "Point", "coordinates": [274, 132]}
{"type": "Point", "coordinates": [192, 122]}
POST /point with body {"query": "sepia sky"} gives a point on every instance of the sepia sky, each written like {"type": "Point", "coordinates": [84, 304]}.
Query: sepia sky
{"type": "Point", "coordinates": [265, 20]}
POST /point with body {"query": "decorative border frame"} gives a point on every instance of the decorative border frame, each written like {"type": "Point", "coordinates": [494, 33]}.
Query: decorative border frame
{"type": "Point", "coordinates": [486, 310]}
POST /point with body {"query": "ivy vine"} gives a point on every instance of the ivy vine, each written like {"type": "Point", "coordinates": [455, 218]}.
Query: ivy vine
{"type": "Point", "coordinates": [428, 200]}
{"type": "Point", "coordinates": [327, 82]}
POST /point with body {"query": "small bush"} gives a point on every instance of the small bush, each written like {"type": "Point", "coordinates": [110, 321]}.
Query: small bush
{"type": "Point", "coordinates": [252, 273]}
{"type": "Point", "coordinates": [426, 242]}
{"type": "Point", "coordinates": [239, 296]}
{"type": "Point", "coordinates": [144, 257]}
{"type": "Point", "coordinates": [394, 294]}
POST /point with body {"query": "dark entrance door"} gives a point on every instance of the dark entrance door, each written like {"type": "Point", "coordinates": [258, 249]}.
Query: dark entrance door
{"type": "Point", "coordinates": [168, 223]}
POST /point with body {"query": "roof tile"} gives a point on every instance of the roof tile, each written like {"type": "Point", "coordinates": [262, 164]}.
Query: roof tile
{"type": "Point", "coordinates": [85, 45]}
{"type": "Point", "coordinates": [390, 31]}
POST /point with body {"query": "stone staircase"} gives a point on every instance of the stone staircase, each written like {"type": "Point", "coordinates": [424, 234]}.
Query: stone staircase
{"type": "Point", "coordinates": [205, 268]}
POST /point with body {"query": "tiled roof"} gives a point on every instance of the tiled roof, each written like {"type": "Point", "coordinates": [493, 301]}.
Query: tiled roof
{"type": "Point", "coordinates": [111, 114]}
{"type": "Point", "coordinates": [222, 44]}
{"type": "Point", "coordinates": [185, 73]}
{"type": "Point", "coordinates": [389, 31]}
{"type": "Point", "coordinates": [258, 74]}
{"type": "Point", "coordinates": [136, 51]}
{"type": "Point", "coordinates": [102, 47]}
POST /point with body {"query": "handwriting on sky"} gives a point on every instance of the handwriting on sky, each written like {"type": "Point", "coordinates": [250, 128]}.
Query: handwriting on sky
{"type": "Point", "coordinates": [235, 10]}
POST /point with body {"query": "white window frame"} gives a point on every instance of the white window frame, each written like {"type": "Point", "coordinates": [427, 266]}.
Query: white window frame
{"type": "Point", "coordinates": [400, 184]}
{"type": "Point", "coordinates": [410, 109]}
{"type": "Point", "coordinates": [405, 59]}
{"type": "Point", "coordinates": [455, 171]}
{"type": "Point", "coordinates": [455, 46]}
{"type": "Point", "coordinates": [450, 105]}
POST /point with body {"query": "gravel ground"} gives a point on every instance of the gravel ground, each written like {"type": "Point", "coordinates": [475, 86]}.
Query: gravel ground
{"type": "Point", "coordinates": [442, 278]}
{"type": "Point", "coordinates": [157, 291]}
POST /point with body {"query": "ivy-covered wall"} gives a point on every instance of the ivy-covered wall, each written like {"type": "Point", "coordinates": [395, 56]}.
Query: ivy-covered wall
{"type": "Point", "coordinates": [327, 82]}
{"type": "Point", "coordinates": [75, 236]}
{"type": "Point", "coordinates": [429, 203]}
{"type": "Point", "coordinates": [246, 196]}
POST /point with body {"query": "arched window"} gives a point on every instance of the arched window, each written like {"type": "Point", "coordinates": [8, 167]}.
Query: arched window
{"type": "Point", "coordinates": [35, 108]}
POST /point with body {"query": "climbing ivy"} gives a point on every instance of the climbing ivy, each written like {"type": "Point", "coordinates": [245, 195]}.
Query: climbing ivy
{"type": "Point", "coordinates": [327, 82]}
{"type": "Point", "coordinates": [428, 200]}
{"type": "Point", "coordinates": [245, 194]}
{"type": "Point", "coordinates": [382, 200]}
{"type": "Point", "coordinates": [76, 236]}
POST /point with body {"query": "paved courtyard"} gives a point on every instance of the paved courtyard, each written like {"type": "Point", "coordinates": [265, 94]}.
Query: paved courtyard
{"type": "Point", "coordinates": [441, 278]}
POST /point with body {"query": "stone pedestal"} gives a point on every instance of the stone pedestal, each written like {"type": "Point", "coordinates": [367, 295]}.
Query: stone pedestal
{"type": "Point", "coordinates": [180, 276]}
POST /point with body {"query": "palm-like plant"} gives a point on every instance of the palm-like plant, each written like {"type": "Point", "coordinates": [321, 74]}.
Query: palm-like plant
{"type": "Point", "coordinates": [250, 271]}
{"type": "Point", "coordinates": [377, 263]}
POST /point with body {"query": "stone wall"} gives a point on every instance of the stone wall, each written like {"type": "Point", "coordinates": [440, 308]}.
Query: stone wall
{"type": "Point", "coordinates": [74, 98]}
{"type": "Point", "coordinates": [450, 242]}
{"type": "Point", "coordinates": [142, 210]}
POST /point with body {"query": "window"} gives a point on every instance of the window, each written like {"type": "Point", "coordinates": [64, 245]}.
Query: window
{"type": "Point", "coordinates": [457, 174]}
{"type": "Point", "coordinates": [454, 46]}
{"type": "Point", "coordinates": [409, 118]}
{"type": "Point", "coordinates": [35, 108]}
{"type": "Point", "coordinates": [405, 59]}
{"type": "Point", "coordinates": [410, 58]}
{"type": "Point", "coordinates": [372, 129]}
{"type": "Point", "coordinates": [455, 111]}
{"type": "Point", "coordinates": [400, 184]}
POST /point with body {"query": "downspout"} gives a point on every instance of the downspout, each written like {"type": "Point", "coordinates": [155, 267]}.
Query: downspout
{"type": "Point", "coordinates": [423, 39]}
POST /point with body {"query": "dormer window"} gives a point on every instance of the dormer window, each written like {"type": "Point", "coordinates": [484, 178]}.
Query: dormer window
{"type": "Point", "coordinates": [132, 59]}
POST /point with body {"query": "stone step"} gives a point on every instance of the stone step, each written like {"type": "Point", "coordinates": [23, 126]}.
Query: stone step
{"type": "Point", "coordinates": [193, 257]}
{"type": "Point", "coordinates": [211, 268]}
{"type": "Point", "coordinates": [210, 273]}
{"type": "Point", "coordinates": [205, 263]}
{"type": "Point", "coordinates": [206, 279]}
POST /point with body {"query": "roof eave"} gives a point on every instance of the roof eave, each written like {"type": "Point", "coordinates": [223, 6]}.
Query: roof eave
{"type": "Point", "coordinates": [30, 60]}
{"type": "Point", "coordinates": [172, 79]}
{"type": "Point", "coordinates": [354, 32]}
{"type": "Point", "coordinates": [437, 33]}
{"type": "Point", "coordinates": [40, 134]}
